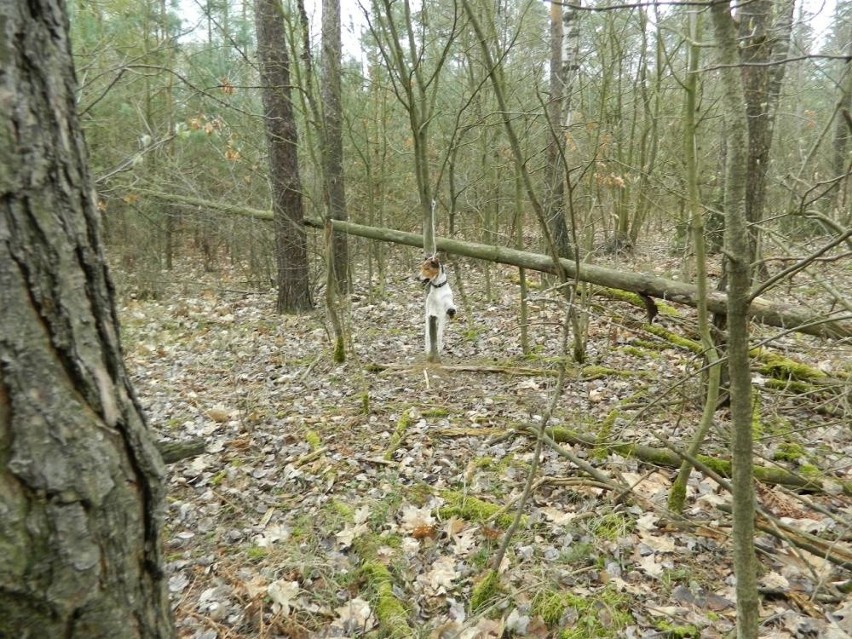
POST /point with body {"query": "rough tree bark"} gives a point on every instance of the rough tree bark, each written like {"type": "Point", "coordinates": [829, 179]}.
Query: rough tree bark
{"type": "Point", "coordinates": [843, 130]}
{"type": "Point", "coordinates": [761, 42]}
{"type": "Point", "coordinates": [335, 192]}
{"type": "Point", "coordinates": [553, 198]}
{"type": "Point", "coordinates": [81, 483]}
{"type": "Point", "coordinates": [282, 141]}
{"type": "Point", "coordinates": [737, 251]}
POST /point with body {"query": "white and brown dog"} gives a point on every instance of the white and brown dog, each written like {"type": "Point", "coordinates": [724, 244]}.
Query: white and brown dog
{"type": "Point", "coordinates": [439, 304]}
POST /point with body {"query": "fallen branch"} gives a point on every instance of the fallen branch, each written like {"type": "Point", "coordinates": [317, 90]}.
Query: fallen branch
{"type": "Point", "coordinates": [311, 456]}
{"type": "Point", "coordinates": [172, 452]}
{"type": "Point", "coordinates": [521, 371]}
{"type": "Point", "coordinates": [583, 465]}
{"type": "Point", "coordinates": [829, 550]}
{"type": "Point", "coordinates": [668, 458]}
{"type": "Point", "coordinates": [761, 310]}
{"type": "Point", "coordinates": [587, 373]}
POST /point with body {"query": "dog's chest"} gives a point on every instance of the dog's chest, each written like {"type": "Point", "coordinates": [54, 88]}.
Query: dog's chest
{"type": "Point", "coordinates": [438, 298]}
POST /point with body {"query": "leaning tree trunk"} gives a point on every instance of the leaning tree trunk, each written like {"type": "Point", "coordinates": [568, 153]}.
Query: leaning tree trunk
{"type": "Point", "coordinates": [81, 483]}
{"type": "Point", "coordinates": [294, 293]}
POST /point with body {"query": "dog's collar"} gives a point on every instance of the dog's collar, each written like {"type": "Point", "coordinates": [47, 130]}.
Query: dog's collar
{"type": "Point", "coordinates": [438, 285]}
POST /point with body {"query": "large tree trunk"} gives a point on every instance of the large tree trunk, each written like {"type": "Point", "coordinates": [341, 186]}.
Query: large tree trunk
{"type": "Point", "coordinates": [81, 483]}
{"type": "Point", "coordinates": [737, 251]}
{"type": "Point", "coordinates": [282, 140]}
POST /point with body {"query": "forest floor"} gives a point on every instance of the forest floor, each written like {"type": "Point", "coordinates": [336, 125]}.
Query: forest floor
{"type": "Point", "coordinates": [370, 498]}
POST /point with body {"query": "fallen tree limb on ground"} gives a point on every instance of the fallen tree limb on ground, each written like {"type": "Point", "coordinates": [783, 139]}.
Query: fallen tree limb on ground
{"type": "Point", "coordinates": [175, 451]}
{"type": "Point", "coordinates": [587, 373]}
{"type": "Point", "coordinates": [668, 458]}
{"type": "Point", "coordinates": [829, 549]}
{"type": "Point", "coordinates": [761, 310]}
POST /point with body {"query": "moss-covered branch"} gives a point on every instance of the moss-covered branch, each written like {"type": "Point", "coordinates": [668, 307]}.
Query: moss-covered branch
{"type": "Point", "coordinates": [175, 451]}
{"type": "Point", "coordinates": [390, 611]}
{"type": "Point", "coordinates": [666, 457]}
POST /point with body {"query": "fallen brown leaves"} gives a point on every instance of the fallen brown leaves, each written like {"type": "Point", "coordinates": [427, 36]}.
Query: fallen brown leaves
{"type": "Point", "coordinates": [269, 533]}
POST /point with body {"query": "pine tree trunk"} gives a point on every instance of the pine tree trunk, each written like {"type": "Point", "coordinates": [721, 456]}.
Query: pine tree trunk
{"type": "Point", "coordinates": [282, 142]}
{"type": "Point", "coordinates": [81, 483]}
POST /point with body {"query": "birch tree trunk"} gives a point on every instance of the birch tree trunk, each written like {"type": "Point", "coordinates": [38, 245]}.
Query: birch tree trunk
{"type": "Point", "coordinates": [282, 141]}
{"type": "Point", "coordinates": [81, 483]}
{"type": "Point", "coordinates": [739, 282]}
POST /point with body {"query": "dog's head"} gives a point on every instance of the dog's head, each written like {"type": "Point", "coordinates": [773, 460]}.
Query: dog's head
{"type": "Point", "coordinates": [430, 269]}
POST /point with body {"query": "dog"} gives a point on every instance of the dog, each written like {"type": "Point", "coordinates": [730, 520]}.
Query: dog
{"type": "Point", "coordinates": [439, 303]}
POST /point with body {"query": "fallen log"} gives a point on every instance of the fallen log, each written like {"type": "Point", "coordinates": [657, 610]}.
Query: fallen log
{"type": "Point", "coordinates": [770, 313]}
{"type": "Point", "coordinates": [762, 310]}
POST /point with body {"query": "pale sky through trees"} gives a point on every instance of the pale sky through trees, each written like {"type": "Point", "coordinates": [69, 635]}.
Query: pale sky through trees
{"type": "Point", "coordinates": [819, 14]}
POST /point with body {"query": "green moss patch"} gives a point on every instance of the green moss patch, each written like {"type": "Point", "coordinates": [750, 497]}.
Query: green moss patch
{"type": "Point", "coordinates": [436, 412]}
{"type": "Point", "coordinates": [313, 439]}
{"type": "Point", "coordinates": [678, 631]}
{"type": "Point", "coordinates": [603, 614]}
{"type": "Point", "coordinates": [604, 432]}
{"type": "Point", "coordinates": [789, 452]}
{"type": "Point", "coordinates": [474, 509]}
{"type": "Point", "coordinates": [597, 372]}
{"type": "Point", "coordinates": [485, 591]}
{"type": "Point", "coordinates": [674, 339]}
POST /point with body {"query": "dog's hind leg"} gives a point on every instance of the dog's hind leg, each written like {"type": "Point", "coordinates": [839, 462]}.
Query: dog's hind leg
{"type": "Point", "coordinates": [433, 338]}
{"type": "Point", "coordinates": [440, 332]}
